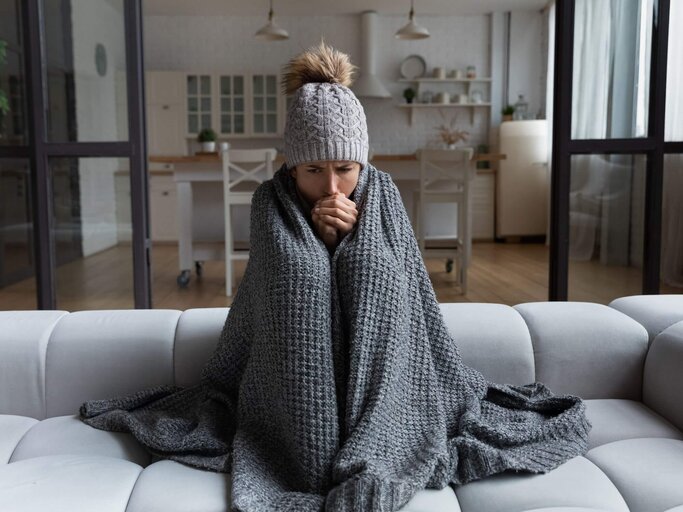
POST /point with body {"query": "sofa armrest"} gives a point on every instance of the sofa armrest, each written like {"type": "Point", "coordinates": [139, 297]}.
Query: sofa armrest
{"type": "Point", "coordinates": [663, 375]}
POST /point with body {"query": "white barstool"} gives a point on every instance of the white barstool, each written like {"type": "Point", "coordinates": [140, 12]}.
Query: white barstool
{"type": "Point", "coordinates": [445, 177]}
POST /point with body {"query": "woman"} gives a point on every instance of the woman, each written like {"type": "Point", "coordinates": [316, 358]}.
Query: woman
{"type": "Point", "coordinates": [335, 384]}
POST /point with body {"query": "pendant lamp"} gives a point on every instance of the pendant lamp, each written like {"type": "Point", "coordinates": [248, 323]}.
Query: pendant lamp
{"type": "Point", "coordinates": [270, 31]}
{"type": "Point", "coordinates": [412, 30]}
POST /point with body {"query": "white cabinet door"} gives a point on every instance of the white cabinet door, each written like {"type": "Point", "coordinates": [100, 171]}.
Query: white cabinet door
{"type": "Point", "coordinates": [164, 130]}
{"type": "Point", "coordinates": [164, 87]}
{"type": "Point", "coordinates": [163, 208]}
{"type": "Point", "coordinates": [483, 189]}
{"type": "Point", "coordinates": [165, 113]}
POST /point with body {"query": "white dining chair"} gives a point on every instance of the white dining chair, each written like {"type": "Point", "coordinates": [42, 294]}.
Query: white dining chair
{"type": "Point", "coordinates": [445, 177]}
{"type": "Point", "coordinates": [239, 183]}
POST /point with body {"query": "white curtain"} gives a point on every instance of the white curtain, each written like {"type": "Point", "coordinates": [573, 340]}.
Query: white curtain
{"type": "Point", "coordinates": [610, 71]}
{"type": "Point", "coordinates": [672, 206]}
{"type": "Point", "coordinates": [590, 104]}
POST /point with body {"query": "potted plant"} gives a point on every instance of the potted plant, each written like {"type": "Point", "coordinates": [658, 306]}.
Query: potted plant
{"type": "Point", "coordinates": [207, 137]}
{"type": "Point", "coordinates": [409, 94]}
{"type": "Point", "coordinates": [450, 135]}
{"type": "Point", "coordinates": [507, 112]}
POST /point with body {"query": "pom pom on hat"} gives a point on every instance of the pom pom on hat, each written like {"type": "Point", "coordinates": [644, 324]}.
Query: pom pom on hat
{"type": "Point", "coordinates": [321, 64]}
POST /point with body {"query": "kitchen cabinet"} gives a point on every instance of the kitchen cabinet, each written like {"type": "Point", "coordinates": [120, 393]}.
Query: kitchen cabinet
{"type": "Point", "coordinates": [163, 208]}
{"type": "Point", "coordinates": [483, 204]}
{"type": "Point", "coordinates": [198, 92]}
{"type": "Point", "coordinates": [234, 105]}
{"type": "Point", "coordinates": [165, 113]}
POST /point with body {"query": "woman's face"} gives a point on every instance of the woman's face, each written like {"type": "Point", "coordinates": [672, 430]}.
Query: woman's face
{"type": "Point", "coordinates": [319, 179]}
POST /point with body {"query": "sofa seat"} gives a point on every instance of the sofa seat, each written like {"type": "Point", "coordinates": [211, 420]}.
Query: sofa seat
{"type": "Point", "coordinates": [626, 436]}
{"type": "Point", "coordinates": [648, 472]}
{"type": "Point", "coordinates": [68, 435]}
{"type": "Point", "coordinates": [626, 361]}
{"type": "Point", "coordinates": [616, 420]}
{"type": "Point", "coordinates": [67, 483]}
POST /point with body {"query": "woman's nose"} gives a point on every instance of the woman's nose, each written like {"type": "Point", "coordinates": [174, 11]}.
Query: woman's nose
{"type": "Point", "coordinates": [331, 184]}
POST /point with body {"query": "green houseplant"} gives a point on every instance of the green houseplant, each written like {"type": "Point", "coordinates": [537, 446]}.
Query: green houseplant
{"type": "Point", "coordinates": [207, 137]}
{"type": "Point", "coordinates": [409, 94]}
{"type": "Point", "coordinates": [507, 112]}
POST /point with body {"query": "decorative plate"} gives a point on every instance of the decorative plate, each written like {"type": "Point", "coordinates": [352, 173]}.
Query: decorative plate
{"type": "Point", "coordinates": [413, 67]}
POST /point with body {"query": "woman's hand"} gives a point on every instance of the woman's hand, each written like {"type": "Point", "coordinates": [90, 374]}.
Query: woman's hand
{"type": "Point", "coordinates": [337, 211]}
{"type": "Point", "coordinates": [334, 217]}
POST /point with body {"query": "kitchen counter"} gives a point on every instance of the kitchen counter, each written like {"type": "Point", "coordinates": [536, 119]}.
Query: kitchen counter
{"type": "Point", "coordinates": [213, 157]}
{"type": "Point", "coordinates": [397, 164]}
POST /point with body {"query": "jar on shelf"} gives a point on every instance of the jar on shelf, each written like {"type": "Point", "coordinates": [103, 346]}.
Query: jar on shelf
{"type": "Point", "coordinates": [471, 72]}
{"type": "Point", "coordinates": [476, 96]}
{"type": "Point", "coordinates": [426, 97]}
{"type": "Point", "coordinates": [521, 109]}
{"type": "Point", "coordinates": [439, 73]}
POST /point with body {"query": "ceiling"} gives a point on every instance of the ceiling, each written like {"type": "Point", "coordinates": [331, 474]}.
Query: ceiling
{"type": "Point", "coordinates": [328, 7]}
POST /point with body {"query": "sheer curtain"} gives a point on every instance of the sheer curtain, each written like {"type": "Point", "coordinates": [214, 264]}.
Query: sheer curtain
{"type": "Point", "coordinates": [672, 206]}
{"type": "Point", "coordinates": [609, 100]}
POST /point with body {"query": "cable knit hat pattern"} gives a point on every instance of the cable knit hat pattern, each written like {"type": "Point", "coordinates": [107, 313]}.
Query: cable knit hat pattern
{"type": "Point", "coordinates": [325, 120]}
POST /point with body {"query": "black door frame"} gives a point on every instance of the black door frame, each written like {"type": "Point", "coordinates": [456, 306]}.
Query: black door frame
{"type": "Point", "coordinates": [39, 150]}
{"type": "Point", "coordinates": [653, 147]}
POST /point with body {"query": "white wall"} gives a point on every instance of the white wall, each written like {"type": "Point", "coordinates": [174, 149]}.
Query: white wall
{"type": "Point", "coordinates": [528, 59]}
{"type": "Point", "coordinates": [98, 114]}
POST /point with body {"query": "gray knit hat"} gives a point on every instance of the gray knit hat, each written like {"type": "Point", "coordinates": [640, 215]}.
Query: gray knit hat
{"type": "Point", "coordinates": [325, 120]}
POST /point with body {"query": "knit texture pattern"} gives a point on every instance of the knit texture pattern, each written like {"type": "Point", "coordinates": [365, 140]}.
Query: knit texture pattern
{"type": "Point", "coordinates": [325, 121]}
{"type": "Point", "coordinates": [335, 385]}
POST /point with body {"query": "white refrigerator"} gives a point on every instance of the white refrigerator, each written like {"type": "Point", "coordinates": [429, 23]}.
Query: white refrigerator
{"type": "Point", "coordinates": [522, 183]}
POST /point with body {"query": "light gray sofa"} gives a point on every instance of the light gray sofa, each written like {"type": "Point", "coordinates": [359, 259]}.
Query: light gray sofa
{"type": "Point", "coordinates": [625, 359]}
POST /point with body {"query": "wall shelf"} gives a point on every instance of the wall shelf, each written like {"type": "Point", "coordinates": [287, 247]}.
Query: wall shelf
{"type": "Point", "coordinates": [412, 106]}
{"type": "Point", "coordinates": [465, 83]}
{"type": "Point", "coordinates": [443, 80]}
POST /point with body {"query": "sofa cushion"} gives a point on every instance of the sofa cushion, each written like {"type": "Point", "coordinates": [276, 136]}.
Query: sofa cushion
{"type": "Point", "coordinates": [124, 350]}
{"type": "Point", "coordinates": [586, 349]}
{"type": "Point", "coordinates": [23, 342]}
{"type": "Point", "coordinates": [501, 349]}
{"type": "Point", "coordinates": [431, 500]}
{"type": "Point", "coordinates": [168, 486]}
{"type": "Point", "coordinates": [647, 472]}
{"type": "Point", "coordinates": [195, 340]}
{"type": "Point", "coordinates": [68, 435]}
{"type": "Point", "coordinates": [12, 429]}
{"type": "Point", "coordinates": [663, 375]}
{"type": "Point", "coordinates": [615, 420]}
{"type": "Point", "coordinates": [65, 483]}
{"type": "Point", "coordinates": [576, 483]}
{"type": "Point", "coordinates": [655, 312]}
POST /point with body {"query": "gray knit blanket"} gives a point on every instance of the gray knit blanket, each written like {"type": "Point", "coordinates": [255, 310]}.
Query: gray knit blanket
{"type": "Point", "coordinates": [335, 384]}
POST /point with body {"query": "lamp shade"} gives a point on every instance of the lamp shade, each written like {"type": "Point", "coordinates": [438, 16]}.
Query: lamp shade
{"type": "Point", "coordinates": [271, 32]}
{"type": "Point", "coordinates": [412, 30]}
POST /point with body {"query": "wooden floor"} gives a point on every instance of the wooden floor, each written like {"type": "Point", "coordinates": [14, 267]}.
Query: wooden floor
{"type": "Point", "coordinates": [500, 273]}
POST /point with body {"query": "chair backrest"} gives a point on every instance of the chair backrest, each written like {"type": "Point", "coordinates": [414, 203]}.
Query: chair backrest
{"type": "Point", "coordinates": [235, 174]}
{"type": "Point", "coordinates": [445, 164]}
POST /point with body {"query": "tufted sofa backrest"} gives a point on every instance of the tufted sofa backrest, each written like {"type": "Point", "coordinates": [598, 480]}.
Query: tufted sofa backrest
{"type": "Point", "coordinates": [53, 361]}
